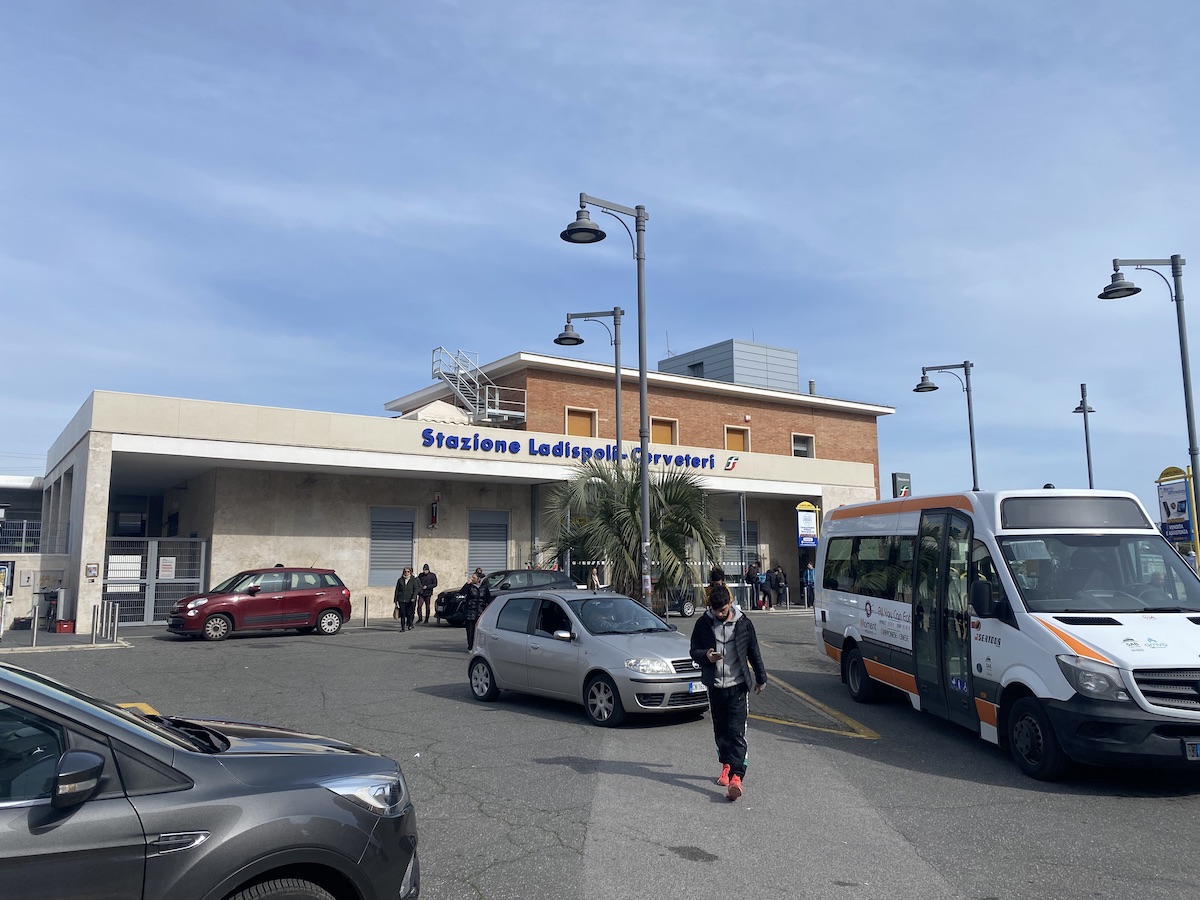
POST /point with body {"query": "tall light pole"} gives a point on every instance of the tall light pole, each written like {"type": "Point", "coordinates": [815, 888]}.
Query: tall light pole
{"type": "Point", "coordinates": [569, 338]}
{"type": "Point", "coordinates": [1087, 435]}
{"type": "Point", "coordinates": [584, 231]}
{"type": "Point", "coordinates": [925, 385]}
{"type": "Point", "coordinates": [1121, 288]}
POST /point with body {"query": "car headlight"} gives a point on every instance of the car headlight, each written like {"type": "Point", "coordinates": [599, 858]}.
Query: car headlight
{"type": "Point", "coordinates": [1093, 679]}
{"type": "Point", "coordinates": [652, 666]}
{"type": "Point", "coordinates": [384, 795]}
{"type": "Point", "coordinates": [199, 601]}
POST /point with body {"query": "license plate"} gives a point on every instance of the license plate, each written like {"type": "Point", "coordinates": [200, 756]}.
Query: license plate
{"type": "Point", "coordinates": [697, 687]}
{"type": "Point", "coordinates": [1191, 750]}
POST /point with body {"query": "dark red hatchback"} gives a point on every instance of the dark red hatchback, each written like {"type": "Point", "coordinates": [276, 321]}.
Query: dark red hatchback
{"type": "Point", "coordinates": [261, 599]}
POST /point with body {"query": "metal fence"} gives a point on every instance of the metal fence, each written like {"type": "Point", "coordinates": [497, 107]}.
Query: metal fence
{"type": "Point", "coordinates": [145, 576]}
{"type": "Point", "coordinates": [20, 536]}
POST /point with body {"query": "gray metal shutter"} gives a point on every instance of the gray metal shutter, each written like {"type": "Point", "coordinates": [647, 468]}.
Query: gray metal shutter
{"type": "Point", "coordinates": [487, 540]}
{"type": "Point", "coordinates": [731, 559]}
{"type": "Point", "coordinates": [391, 544]}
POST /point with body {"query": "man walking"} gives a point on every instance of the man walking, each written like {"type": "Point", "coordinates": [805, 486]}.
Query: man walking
{"type": "Point", "coordinates": [428, 582]}
{"type": "Point", "coordinates": [474, 591]}
{"type": "Point", "coordinates": [725, 646]}
{"type": "Point", "coordinates": [808, 577]}
{"type": "Point", "coordinates": [405, 597]}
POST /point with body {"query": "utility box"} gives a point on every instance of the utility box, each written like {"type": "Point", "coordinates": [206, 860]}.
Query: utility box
{"type": "Point", "coordinates": [64, 626]}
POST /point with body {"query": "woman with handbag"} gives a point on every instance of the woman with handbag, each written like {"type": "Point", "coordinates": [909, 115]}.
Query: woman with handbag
{"type": "Point", "coordinates": [407, 588]}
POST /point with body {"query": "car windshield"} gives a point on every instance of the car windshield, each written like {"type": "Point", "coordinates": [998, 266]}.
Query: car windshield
{"type": "Point", "coordinates": [616, 615]}
{"type": "Point", "coordinates": [1100, 574]}
{"type": "Point", "coordinates": [232, 585]}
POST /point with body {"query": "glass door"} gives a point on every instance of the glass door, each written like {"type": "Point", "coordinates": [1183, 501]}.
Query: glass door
{"type": "Point", "coordinates": [927, 604]}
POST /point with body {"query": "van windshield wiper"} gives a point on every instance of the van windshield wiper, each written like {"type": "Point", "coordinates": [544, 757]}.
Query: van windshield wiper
{"type": "Point", "coordinates": [1165, 609]}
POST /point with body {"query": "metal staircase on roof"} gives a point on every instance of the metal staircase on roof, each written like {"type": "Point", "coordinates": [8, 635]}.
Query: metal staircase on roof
{"type": "Point", "coordinates": [484, 400]}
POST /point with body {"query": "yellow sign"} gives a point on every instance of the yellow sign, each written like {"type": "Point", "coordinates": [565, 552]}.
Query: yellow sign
{"type": "Point", "coordinates": [1171, 473]}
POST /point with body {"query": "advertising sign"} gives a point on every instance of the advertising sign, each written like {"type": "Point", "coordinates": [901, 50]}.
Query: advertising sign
{"type": "Point", "coordinates": [807, 526]}
{"type": "Point", "coordinates": [1173, 505]}
{"type": "Point", "coordinates": [901, 484]}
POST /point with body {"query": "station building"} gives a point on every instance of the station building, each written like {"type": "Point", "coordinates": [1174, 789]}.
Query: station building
{"type": "Point", "coordinates": [147, 499]}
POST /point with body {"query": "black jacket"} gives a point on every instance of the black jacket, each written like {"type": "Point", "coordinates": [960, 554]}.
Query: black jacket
{"type": "Point", "coordinates": [475, 594]}
{"type": "Point", "coordinates": [428, 583]}
{"type": "Point", "coordinates": [406, 593]}
{"type": "Point", "coordinates": [745, 639]}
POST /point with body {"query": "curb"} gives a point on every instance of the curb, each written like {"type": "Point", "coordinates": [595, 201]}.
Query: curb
{"type": "Point", "coordinates": [107, 645]}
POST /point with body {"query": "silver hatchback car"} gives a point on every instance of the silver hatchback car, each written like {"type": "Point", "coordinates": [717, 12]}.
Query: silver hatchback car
{"type": "Point", "coordinates": [603, 650]}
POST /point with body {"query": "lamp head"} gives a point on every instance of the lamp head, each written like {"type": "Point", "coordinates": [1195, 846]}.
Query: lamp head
{"type": "Point", "coordinates": [568, 338]}
{"type": "Point", "coordinates": [924, 386]}
{"type": "Point", "coordinates": [1080, 408]}
{"type": "Point", "coordinates": [583, 230]}
{"type": "Point", "coordinates": [1119, 288]}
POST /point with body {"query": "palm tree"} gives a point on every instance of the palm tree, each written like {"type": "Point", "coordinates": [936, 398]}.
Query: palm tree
{"type": "Point", "coordinates": [596, 515]}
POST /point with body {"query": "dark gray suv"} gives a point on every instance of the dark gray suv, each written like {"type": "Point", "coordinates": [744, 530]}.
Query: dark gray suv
{"type": "Point", "coordinates": [137, 806]}
{"type": "Point", "coordinates": [451, 606]}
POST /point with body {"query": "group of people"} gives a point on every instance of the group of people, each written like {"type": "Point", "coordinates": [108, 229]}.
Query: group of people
{"type": "Point", "coordinates": [413, 594]}
{"type": "Point", "coordinates": [770, 586]}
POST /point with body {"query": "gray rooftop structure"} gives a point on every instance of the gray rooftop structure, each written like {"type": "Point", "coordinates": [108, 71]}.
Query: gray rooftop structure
{"type": "Point", "coordinates": [739, 362]}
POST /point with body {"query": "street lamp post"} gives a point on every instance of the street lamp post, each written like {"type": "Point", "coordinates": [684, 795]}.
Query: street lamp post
{"type": "Point", "coordinates": [1120, 288]}
{"type": "Point", "coordinates": [925, 385]}
{"type": "Point", "coordinates": [569, 338]}
{"type": "Point", "coordinates": [584, 231]}
{"type": "Point", "coordinates": [1087, 436]}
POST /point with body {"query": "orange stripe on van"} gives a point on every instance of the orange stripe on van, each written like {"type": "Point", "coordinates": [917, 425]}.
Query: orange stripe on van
{"type": "Point", "coordinates": [989, 713]}
{"type": "Point", "coordinates": [906, 504]}
{"type": "Point", "coordinates": [1079, 647]}
{"type": "Point", "coordinates": [903, 680]}
{"type": "Point", "coordinates": [834, 653]}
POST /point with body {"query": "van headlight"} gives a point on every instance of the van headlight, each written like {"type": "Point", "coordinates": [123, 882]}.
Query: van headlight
{"type": "Point", "coordinates": [650, 666]}
{"type": "Point", "coordinates": [1093, 679]}
{"type": "Point", "coordinates": [384, 795]}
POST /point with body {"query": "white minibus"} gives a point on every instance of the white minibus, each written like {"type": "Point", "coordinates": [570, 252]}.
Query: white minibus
{"type": "Point", "coordinates": [1060, 623]}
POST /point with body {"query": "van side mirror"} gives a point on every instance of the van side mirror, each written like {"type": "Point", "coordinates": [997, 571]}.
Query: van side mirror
{"type": "Point", "coordinates": [983, 600]}
{"type": "Point", "coordinates": [76, 778]}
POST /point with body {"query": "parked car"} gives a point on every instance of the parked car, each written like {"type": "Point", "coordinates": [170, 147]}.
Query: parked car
{"type": "Point", "coordinates": [603, 650]}
{"type": "Point", "coordinates": [151, 806]}
{"type": "Point", "coordinates": [452, 605]}
{"type": "Point", "coordinates": [281, 597]}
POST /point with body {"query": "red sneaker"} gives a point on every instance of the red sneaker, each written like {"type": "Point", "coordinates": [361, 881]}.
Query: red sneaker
{"type": "Point", "coordinates": [723, 778]}
{"type": "Point", "coordinates": [735, 788]}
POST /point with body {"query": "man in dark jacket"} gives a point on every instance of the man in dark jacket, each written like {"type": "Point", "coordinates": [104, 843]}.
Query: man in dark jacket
{"type": "Point", "coordinates": [428, 582]}
{"type": "Point", "coordinates": [473, 591]}
{"type": "Point", "coordinates": [725, 646]}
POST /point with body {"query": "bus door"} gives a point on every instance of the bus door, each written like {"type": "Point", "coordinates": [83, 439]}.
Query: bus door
{"type": "Point", "coordinates": [941, 625]}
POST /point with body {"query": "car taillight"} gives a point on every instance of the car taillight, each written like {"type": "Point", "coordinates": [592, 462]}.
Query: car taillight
{"type": "Point", "coordinates": [346, 593]}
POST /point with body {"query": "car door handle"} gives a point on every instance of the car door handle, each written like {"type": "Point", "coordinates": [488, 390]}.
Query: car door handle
{"type": "Point", "coordinates": [320, 593]}
{"type": "Point", "coordinates": [534, 645]}
{"type": "Point", "coordinates": [179, 840]}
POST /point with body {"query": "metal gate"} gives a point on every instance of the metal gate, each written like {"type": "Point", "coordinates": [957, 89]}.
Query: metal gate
{"type": "Point", "coordinates": [145, 576]}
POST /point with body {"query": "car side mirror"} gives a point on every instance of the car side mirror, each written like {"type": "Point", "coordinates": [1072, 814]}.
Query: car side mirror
{"type": "Point", "coordinates": [563, 635]}
{"type": "Point", "coordinates": [672, 626]}
{"type": "Point", "coordinates": [983, 600]}
{"type": "Point", "coordinates": [505, 586]}
{"type": "Point", "coordinates": [253, 589]}
{"type": "Point", "coordinates": [76, 778]}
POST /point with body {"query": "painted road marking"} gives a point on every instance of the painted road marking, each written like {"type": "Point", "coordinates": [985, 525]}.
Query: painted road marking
{"type": "Point", "coordinates": [850, 728]}
{"type": "Point", "coordinates": [140, 707]}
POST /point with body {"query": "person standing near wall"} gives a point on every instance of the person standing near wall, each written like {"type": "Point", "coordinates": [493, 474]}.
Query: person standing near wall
{"type": "Point", "coordinates": [428, 581]}
{"type": "Point", "coordinates": [405, 597]}
{"type": "Point", "coordinates": [808, 578]}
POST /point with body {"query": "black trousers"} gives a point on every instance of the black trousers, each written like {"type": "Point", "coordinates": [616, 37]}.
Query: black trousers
{"type": "Point", "coordinates": [422, 604]}
{"type": "Point", "coordinates": [406, 613]}
{"type": "Point", "coordinates": [729, 708]}
{"type": "Point", "coordinates": [470, 633]}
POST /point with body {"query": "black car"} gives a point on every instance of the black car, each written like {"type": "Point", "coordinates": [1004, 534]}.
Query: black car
{"type": "Point", "coordinates": [451, 606]}
{"type": "Point", "coordinates": [150, 806]}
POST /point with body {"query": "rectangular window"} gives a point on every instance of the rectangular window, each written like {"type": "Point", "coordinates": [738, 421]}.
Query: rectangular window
{"type": "Point", "coordinates": [802, 445]}
{"type": "Point", "coordinates": [391, 544]}
{"type": "Point", "coordinates": [487, 540]}
{"type": "Point", "coordinates": [696, 370]}
{"type": "Point", "coordinates": [581, 422]}
{"type": "Point", "coordinates": [737, 439]}
{"type": "Point", "coordinates": [663, 431]}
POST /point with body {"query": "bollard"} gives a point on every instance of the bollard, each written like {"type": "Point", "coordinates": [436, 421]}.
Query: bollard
{"type": "Point", "coordinates": [366, 608]}
{"type": "Point", "coordinates": [95, 621]}
{"type": "Point", "coordinates": [33, 624]}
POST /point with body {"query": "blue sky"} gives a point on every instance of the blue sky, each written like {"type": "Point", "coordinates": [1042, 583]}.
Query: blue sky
{"type": "Point", "coordinates": [293, 204]}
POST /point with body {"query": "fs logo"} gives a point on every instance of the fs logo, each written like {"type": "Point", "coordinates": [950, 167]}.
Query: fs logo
{"type": "Point", "coordinates": [730, 463]}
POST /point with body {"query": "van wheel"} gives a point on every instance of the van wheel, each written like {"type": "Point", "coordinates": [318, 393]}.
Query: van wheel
{"type": "Point", "coordinates": [862, 688]}
{"type": "Point", "coordinates": [603, 703]}
{"type": "Point", "coordinates": [217, 628]}
{"type": "Point", "coordinates": [329, 622]}
{"type": "Point", "coordinates": [283, 889]}
{"type": "Point", "coordinates": [483, 681]}
{"type": "Point", "coordinates": [1033, 743]}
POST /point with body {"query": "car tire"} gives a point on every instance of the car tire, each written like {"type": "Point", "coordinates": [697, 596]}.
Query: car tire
{"type": "Point", "coordinates": [217, 628]}
{"type": "Point", "coordinates": [687, 609]}
{"type": "Point", "coordinates": [283, 889]}
{"type": "Point", "coordinates": [603, 703]}
{"type": "Point", "coordinates": [1032, 741]}
{"type": "Point", "coordinates": [862, 688]}
{"type": "Point", "coordinates": [329, 622]}
{"type": "Point", "coordinates": [483, 681]}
